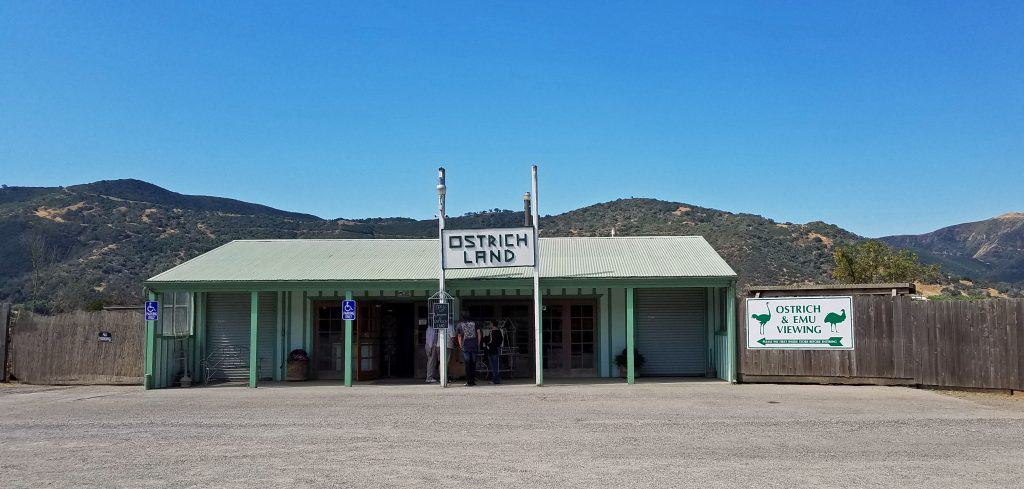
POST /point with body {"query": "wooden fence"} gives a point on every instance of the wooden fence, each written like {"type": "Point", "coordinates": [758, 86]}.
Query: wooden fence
{"type": "Point", "coordinates": [968, 344]}
{"type": "Point", "coordinates": [67, 349]}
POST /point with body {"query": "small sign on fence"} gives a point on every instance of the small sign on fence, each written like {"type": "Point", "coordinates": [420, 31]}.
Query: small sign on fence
{"type": "Point", "coordinates": [105, 336]}
{"type": "Point", "coordinates": [800, 323]}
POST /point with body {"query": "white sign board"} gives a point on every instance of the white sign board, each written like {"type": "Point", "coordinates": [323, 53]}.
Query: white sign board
{"type": "Point", "coordinates": [488, 248]}
{"type": "Point", "coordinates": [800, 323]}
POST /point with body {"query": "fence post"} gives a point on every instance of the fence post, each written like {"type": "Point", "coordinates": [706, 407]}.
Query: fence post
{"type": "Point", "coordinates": [5, 324]}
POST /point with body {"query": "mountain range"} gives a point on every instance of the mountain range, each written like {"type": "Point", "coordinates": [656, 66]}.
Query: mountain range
{"type": "Point", "coordinates": [991, 250]}
{"type": "Point", "coordinates": [64, 247]}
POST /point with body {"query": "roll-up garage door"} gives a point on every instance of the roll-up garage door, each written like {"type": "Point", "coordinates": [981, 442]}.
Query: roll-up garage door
{"type": "Point", "coordinates": [671, 330]}
{"type": "Point", "coordinates": [227, 335]}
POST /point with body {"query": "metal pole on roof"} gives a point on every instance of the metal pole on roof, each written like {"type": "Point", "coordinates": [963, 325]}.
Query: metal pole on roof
{"type": "Point", "coordinates": [536, 281]}
{"type": "Point", "coordinates": [442, 341]}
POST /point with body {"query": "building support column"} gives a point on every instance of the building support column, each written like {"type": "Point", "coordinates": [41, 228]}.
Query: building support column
{"type": "Point", "coordinates": [279, 354]}
{"type": "Point", "coordinates": [254, 368]}
{"type": "Point", "coordinates": [630, 339]}
{"type": "Point", "coordinates": [150, 347]}
{"type": "Point", "coordinates": [348, 345]}
{"type": "Point", "coordinates": [730, 327]}
{"type": "Point", "coordinates": [199, 302]}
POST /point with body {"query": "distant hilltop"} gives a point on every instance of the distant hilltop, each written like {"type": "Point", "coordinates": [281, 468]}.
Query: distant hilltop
{"type": "Point", "coordinates": [96, 242]}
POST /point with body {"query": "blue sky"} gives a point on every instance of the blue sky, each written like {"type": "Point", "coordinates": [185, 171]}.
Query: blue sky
{"type": "Point", "coordinates": [881, 117]}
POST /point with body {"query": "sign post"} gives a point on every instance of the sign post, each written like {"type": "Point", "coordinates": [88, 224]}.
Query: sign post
{"type": "Point", "coordinates": [442, 334]}
{"type": "Point", "coordinates": [800, 323]}
{"type": "Point", "coordinates": [536, 281]}
{"type": "Point", "coordinates": [348, 314]}
{"type": "Point", "coordinates": [487, 248]}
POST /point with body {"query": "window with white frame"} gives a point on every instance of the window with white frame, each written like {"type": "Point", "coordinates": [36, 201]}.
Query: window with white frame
{"type": "Point", "coordinates": [175, 314]}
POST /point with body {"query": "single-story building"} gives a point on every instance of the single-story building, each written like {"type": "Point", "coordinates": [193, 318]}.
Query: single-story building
{"type": "Point", "coordinates": [235, 313]}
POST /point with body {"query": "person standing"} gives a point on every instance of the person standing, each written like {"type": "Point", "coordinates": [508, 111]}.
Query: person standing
{"type": "Point", "coordinates": [433, 352]}
{"type": "Point", "coordinates": [492, 348]}
{"type": "Point", "coordinates": [430, 346]}
{"type": "Point", "coordinates": [469, 343]}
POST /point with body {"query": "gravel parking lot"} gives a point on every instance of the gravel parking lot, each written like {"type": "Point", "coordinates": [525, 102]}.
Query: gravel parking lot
{"type": "Point", "coordinates": [685, 433]}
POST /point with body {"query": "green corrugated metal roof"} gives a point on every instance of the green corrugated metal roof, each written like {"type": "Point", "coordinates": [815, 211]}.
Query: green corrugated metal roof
{"type": "Point", "coordinates": [297, 260]}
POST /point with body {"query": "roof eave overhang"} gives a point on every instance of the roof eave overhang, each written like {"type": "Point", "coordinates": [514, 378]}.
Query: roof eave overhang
{"type": "Point", "coordinates": [431, 284]}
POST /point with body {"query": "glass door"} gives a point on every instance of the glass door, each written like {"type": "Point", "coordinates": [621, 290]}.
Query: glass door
{"type": "Point", "coordinates": [329, 345]}
{"type": "Point", "coordinates": [367, 350]}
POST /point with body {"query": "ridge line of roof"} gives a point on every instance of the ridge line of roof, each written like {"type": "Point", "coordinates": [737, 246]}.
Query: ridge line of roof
{"type": "Point", "coordinates": [689, 236]}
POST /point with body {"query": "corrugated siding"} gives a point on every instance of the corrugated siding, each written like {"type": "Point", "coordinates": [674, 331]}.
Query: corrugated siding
{"type": "Point", "coordinates": [266, 333]}
{"type": "Point", "coordinates": [671, 331]}
{"type": "Point", "coordinates": [416, 259]}
{"type": "Point", "coordinates": [722, 356]}
{"type": "Point", "coordinates": [227, 336]}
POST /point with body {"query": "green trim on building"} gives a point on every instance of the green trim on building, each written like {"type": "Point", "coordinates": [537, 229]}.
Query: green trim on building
{"type": "Point", "coordinates": [150, 348]}
{"type": "Point", "coordinates": [254, 368]}
{"type": "Point", "coordinates": [730, 318]}
{"type": "Point", "coordinates": [348, 346]}
{"type": "Point", "coordinates": [630, 339]}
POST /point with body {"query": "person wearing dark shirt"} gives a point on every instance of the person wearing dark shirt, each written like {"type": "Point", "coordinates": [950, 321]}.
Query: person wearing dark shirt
{"type": "Point", "coordinates": [469, 342]}
{"type": "Point", "coordinates": [492, 348]}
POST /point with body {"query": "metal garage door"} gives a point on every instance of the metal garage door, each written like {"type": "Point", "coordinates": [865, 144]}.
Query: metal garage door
{"type": "Point", "coordinates": [227, 335]}
{"type": "Point", "coordinates": [671, 331]}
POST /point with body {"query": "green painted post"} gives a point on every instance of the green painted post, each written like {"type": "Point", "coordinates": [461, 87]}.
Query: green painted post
{"type": "Point", "coordinates": [630, 342]}
{"type": "Point", "coordinates": [348, 346]}
{"type": "Point", "coordinates": [730, 328]}
{"type": "Point", "coordinates": [279, 335]}
{"type": "Point", "coordinates": [150, 348]}
{"type": "Point", "coordinates": [253, 339]}
{"type": "Point", "coordinates": [199, 334]}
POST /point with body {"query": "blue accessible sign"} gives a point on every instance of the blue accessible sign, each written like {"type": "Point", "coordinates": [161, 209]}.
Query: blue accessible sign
{"type": "Point", "coordinates": [348, 310]}
{"type": "Point", "coordinates": [152, 310]}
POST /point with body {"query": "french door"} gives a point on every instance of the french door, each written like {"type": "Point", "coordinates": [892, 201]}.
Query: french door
{"type": "Point", "coordinates": [568, 333]}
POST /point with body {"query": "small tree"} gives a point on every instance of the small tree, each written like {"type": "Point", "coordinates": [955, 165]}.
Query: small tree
{"type": "Point", "coordinates": [872, 261]}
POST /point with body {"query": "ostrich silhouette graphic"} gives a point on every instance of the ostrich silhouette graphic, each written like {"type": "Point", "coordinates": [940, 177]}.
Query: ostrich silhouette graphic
{"type": "Point", "coordinates": [834, 319]}
{"type": "Point", "coordinates": [763, 318]}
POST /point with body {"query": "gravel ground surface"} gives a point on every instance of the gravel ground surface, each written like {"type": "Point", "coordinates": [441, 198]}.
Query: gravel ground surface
{"type": "Point", "coordinates": [687, 433]}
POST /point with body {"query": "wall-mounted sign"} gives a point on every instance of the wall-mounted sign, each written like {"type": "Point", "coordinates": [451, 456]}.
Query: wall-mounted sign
{"type": "Point", "coordinates": [488, 248]}
{"type": "Point", "coordinates": [105, 336]}
{"type": "Point", "coordinates": [348, 310]}
{"type": "Point", "coordinates": [152, 310]}
{"type": "Point", "coordinates": [800, 323]}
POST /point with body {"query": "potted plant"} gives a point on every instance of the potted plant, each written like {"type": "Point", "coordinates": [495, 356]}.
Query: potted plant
{"type": "Point", "coordinates": [298, 365]}
{"type": "Point", "coordinates": [621, 362]}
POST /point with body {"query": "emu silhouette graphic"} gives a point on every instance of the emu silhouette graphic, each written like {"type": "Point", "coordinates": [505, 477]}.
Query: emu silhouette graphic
{"type": "Point", "coordinates": [763, 318]}
{"type": "Point", "coordinates": [834, 319]}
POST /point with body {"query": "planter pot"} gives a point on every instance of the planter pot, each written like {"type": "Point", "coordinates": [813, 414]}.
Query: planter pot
{"type": "Point", "coordinates": [622, 372]}
{"type": "Point", "coordinates": [297, 370]}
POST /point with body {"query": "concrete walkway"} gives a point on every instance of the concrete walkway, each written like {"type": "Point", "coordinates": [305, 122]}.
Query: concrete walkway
{"type": "Point", "coordinates": [664, 434]}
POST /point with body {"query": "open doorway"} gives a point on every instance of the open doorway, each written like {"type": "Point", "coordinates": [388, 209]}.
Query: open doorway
{"type": "Point", "coordinates": [398, 339]}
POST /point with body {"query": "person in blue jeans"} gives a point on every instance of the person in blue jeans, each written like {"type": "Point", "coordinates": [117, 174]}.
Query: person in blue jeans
{"type": "Point", "coordinates": [469, 343]}
{"type": "Point", "coordinates": [492, 348]}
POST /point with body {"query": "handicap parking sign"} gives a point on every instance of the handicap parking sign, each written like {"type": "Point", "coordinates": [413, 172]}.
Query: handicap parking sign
{"type": "Point", "coordinates": [152, 310]}
{"type": "Point", "coordinates": [348, 310]}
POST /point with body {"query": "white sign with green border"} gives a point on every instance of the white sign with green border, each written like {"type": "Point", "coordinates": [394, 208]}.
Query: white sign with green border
{"type": "Point", "coordinates": [800, 323]}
